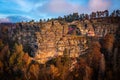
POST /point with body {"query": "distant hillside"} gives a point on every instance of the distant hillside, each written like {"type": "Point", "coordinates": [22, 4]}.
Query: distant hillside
{"type": "Point", "coordinates": [4, 20]}
{"type": "Point", "coordinates": [14, 19]}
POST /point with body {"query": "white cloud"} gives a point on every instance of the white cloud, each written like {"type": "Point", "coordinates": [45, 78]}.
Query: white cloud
{"type": "Point", "coordinates": [62, 6]}
{"type": "Point", "coordinates": [95, 5]}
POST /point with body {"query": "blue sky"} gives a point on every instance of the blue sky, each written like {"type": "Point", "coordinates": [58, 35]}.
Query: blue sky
{"type": "Point", "coordinates": [36, 9]}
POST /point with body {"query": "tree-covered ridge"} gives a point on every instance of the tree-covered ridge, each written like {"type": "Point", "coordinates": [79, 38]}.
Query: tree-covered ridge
{"type": "Point", "coordinates": [98, 14]}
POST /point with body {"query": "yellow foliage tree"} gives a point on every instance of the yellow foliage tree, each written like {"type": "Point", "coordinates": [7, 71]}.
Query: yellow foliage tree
{"type": "Point", "coordinates": [16, 57]}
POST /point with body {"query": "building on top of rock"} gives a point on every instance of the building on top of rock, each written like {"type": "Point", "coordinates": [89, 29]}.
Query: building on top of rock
{"type": "Point", "coordinates": [89, 30]}
{"type": "Point", "coordinates": [90, 33]}
{"type": "Point", "coordinates": [73, 30]}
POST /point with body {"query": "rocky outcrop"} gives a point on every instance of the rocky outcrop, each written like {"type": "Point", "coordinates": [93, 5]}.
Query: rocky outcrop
{"type": "Point", "coordinates": [54, 40]}
{"type": "Point", "coordinates": [45, 40]}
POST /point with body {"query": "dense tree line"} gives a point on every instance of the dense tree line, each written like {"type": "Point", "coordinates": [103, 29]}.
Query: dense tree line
{"type": "Point", "coordinates": [93, 15]}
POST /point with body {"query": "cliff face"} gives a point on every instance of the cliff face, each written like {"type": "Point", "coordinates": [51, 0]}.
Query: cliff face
{"type": "Point", "coordinates": [45, 40]}
{"type": "Point", "coordinates": [54, 39]}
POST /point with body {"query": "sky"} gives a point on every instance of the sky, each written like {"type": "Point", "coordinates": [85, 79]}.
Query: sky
{"type": "Point", "coordinates": [40, 9]}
